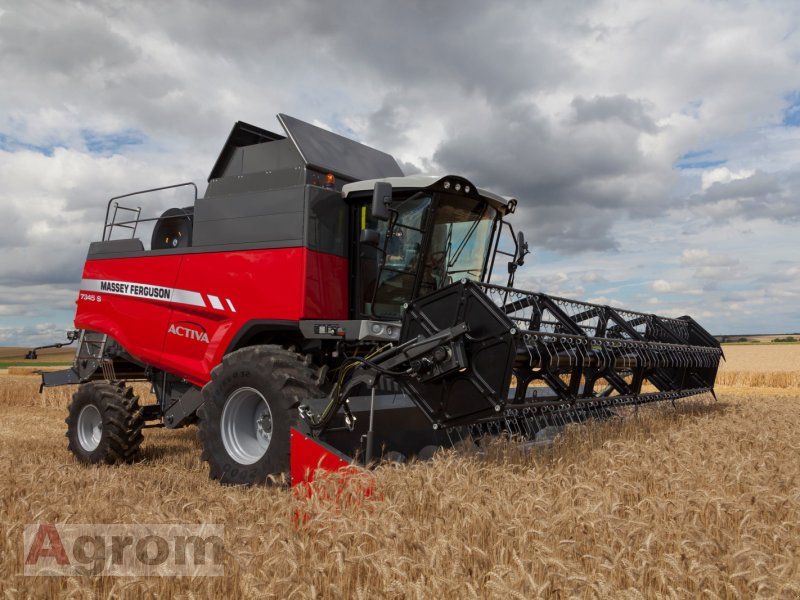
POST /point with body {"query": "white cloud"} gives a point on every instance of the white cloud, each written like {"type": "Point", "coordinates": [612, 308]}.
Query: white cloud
{"type": "Point", "coordinates": [723, 175]}
{"type": "Point", "coordinates": [703, 258]}
{"type": "Point", "coordinates": [32, 335]}
{"type": "Point", "coordinates": [712, 266]}
{"type": "Point", "coordinates": [673, 287]}
{"type": "Point", "coordinates": [606, 301]}
{"type": "Point", "coordinates": [719, 273]}
{"type": "Point", "coordinates": [593, 277]}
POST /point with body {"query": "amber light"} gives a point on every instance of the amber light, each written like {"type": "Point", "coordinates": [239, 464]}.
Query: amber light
{"type": "Point", "coordinates": [330, 179]}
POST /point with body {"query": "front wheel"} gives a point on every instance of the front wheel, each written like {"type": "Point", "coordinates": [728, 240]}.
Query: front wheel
{"type": "Point", "coordinates": [250, 405]}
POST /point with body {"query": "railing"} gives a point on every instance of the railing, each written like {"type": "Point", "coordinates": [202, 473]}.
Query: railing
{"type": "Point", "coordinates": [132, 224]}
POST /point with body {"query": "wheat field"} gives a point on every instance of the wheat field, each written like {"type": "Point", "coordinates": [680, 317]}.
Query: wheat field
{"type": "Point", "coordinates": [773, 365]}
{"type": "Point", "coordinates": [697, 501]}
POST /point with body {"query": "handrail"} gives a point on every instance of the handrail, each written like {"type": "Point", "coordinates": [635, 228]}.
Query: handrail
{"type": "Point", "coordinates": [108, 225]}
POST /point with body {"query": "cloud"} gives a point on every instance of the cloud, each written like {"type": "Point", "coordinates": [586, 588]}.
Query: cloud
{"type": "Point", "coordinates": [30, 335]}
{"type": "Point", "coordinates": [53, 206]}
{"type": "Point", "coordinates": [615, 108]}
{"type": "Point", "coordinates": [593, 277]}
{"type": "Point", "coordinates": [723, 175]}
{"type": "Point", "coordinates": [673, 287]}
{"type": "Point", "coordinates": [759, 195]}
{"type": "Point", "coordinates": [715, 267]}
{"type": "Point", "coordinates": [24, 300]}
{"type": "Point", "coordinates": [719, 273]}
{"type": "Point", "coordinates": [573, 179]}
{"type": "Point", "coordinates": [703, 258]}
{"type": "Point", "coordinates": [608, 125]}
{"type": "Point", "coordinates": [606, 301]}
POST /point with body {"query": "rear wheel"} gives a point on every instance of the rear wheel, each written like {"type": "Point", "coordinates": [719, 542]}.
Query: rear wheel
{"type": "Point", "coordinates": [104, 424]}
{"type": "Point", "coordinates": [250, 405]}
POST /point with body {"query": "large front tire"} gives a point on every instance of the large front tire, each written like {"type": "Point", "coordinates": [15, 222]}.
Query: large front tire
{"type": "Point", "coordinates": [250, 405]}
{"type": "Point", "coordinates": [105, 423]}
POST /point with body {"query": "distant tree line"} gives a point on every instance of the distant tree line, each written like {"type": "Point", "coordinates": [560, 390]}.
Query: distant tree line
{"type": "Point", "coordinates": [734, 339]}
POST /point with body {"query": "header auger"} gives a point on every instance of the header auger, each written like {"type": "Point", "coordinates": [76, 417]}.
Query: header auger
{"type": "Point", "coordinates": [317, 305]}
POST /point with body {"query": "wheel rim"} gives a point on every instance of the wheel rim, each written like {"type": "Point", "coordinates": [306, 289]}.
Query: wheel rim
{"type": "Point", "coordinates": [90, 427]}
{"type": "Point", "coordinates": [246, 425]}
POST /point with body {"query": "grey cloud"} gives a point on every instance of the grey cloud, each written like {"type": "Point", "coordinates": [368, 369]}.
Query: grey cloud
{"type": "Point", "coordinates": [388, 124]}
{"type": "Point", "coordinates": [409, 168]}
{"type": "Point", "coordinates": [13, 229]}
{"type": "Point", "coordinates": [761, 195]}
{"type": "Point", "coordinates": [499, 54]}
{"type": "Point", "coordinates": [620, 108]}
{"type": "Point", "coordinates": [27, 300]}
{"type": "Point", "coordinates": [757, 185]}
{"type": "Point", "coordinates": [49, 261]}
{"type": "Point", "coordinates": [573, 185]}
{"type": "Point", "coordinates": [519, 147]}
{"type": "Point", "coordinates": [62, 41]}
{"type": "Point", "coordinates": [557, 228]}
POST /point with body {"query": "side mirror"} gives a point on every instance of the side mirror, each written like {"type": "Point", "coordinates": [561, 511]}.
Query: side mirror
{"type": "Point", "coordinates": [381, 197]}
{"type": "Point", "coordinates": [522, 249]}
{"type": "Point", "coordinates": [370, 237]}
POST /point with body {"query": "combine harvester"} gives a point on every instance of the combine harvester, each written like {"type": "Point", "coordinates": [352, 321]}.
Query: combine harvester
{"type": "Point", "coordinates": [318, 307]}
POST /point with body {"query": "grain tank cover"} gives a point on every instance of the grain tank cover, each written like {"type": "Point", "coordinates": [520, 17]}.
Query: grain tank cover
{"type": "Point", "coordinates": [304, 144]}
{"type": "Point", "coordinates": [330, 152]}
{"type": "Point", "coordinates": [243, 134]}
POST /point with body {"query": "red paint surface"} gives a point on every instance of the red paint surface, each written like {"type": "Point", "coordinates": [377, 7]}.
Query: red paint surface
{"type": "Point", "coordinates": [349, 486]}
{"type": "Point", "coordinates": [280, 284]}
{"type": "Point", "coordinates": [308, 456]}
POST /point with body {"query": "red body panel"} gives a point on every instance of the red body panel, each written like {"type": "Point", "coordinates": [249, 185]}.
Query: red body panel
{"type": "Point", "coordinates": [309, 455]}
{"type": "Point", "coordinates": [186, 327]}
{"type": "Point", "coordinates": [310, 459]}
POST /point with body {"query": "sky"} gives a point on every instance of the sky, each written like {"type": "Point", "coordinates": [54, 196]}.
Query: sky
{"type": "Point", "coordinates": [653, 146]}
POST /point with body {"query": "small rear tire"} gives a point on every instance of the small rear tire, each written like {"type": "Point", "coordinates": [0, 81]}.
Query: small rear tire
{"type": "Point", "coordinates": [104, 424]}
{"type": "Point", "coordinates": [249, 407]}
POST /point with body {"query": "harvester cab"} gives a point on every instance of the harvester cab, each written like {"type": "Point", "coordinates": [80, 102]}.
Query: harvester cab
{"type": "Point", "coordinates": [317, 304]}
{"type": "Point", "coordinates": [419, 234]}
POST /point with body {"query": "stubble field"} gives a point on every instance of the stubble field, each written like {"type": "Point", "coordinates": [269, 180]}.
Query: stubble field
{"type": "Point", "coordinates": [698, 501]}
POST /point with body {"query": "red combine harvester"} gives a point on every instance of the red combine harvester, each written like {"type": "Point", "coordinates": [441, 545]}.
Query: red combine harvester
{"type": "Point", "coordinates": [316, 304]}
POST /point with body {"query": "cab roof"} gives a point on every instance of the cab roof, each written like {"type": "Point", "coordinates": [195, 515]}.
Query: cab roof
{"type": "Point", "coordinates": [440, 183]}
